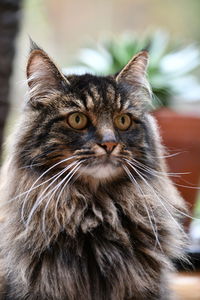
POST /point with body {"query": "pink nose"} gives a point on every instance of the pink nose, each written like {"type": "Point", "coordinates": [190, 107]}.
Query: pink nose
{"type": "Point", "coordinates": [109, 146]}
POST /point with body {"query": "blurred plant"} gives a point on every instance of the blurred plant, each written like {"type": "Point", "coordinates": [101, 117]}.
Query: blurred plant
{"type": "Point", "coordinates": [170, 70]}
{"type": "Point", "coordinates": [194, 230]}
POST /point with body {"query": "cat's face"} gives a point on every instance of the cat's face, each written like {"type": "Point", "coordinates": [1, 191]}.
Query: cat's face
{"type": "Point", "coordinates": [102, 127]}
{"type": "Point", "coordinates": [85, 123]}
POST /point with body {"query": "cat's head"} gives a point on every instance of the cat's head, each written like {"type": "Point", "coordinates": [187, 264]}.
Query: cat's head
{"type": "Point", "coordinates": [88, 125]}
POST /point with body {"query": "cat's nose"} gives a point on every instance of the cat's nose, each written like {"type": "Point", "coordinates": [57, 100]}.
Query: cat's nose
{"type": "Point", "coordinates": [109, 146]}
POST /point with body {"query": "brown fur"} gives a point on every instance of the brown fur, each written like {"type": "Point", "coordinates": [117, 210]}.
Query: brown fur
{"type": "Point", "coordinates": [107, 238]}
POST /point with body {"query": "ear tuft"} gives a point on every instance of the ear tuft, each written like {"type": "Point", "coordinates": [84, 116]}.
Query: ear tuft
{"type": "Point", "coordinates": [33, 45]}
{"type": "Point", "coordinates": [134, 73]}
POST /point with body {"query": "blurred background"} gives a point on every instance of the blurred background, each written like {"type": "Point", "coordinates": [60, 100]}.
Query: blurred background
{"type": "Point", "coordinates": [63, 27]}
{"type": "Point", "coordinates": [100, 36]}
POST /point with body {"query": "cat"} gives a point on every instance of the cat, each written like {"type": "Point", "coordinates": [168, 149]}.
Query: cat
{"type": "Point", "coordinates": [88, 209]}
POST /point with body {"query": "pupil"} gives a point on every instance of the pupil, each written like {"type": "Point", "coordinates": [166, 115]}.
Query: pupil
{"type": "Point", "coordinates": [77, 119]}
{"type": "Point", "coordinates": [123, 120]}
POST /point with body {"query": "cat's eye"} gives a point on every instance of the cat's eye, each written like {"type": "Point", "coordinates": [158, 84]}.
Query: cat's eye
{"type": "Point", "coordinates": [77, 120]}
{"type": "Point", "coordinates": [123, 122]}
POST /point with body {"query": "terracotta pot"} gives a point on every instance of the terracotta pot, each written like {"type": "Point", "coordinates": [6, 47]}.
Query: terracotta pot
{"type": "Point", "coordinates": [181, 134]}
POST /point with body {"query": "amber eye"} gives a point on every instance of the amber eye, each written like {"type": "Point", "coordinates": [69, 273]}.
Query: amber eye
{"type": "Point", "coordinates": [123, 122]}
{"type": "Point", "coordinates": [77, 120]}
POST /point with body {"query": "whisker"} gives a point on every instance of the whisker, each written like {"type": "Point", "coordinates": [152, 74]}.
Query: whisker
{"type": "Point", "coordinates": [155, 232]}
{"type": "Point", "coordinates": [49, 169]}
{"type": "Point", "coordinates": [187, 186]}
{"type": "Point", "coordinates": [158, 172]}
{"type": "Point", "coordinates": [26, 198]}
{"type": "Point", "coordinates": [33, 187]}
{"type": "Point", "coordinates": [68, 178]}
{"type": "Point", "coordinates": [58, 198]}
{"type": "Point", "coordinates": [145, 168]}
{"type": "Point", "coordinates": [39, 200]}
{"type": "Point", "coordinates": [148, 185]}
{"type": "Point", "coordinates": [184, 214]}
{"type": "Point", "coordinates": [30, 166]}
{"type": "Point", "coordinates": [155, 173]}
{"type": "Point", "coordinates": [43, 154]}
{"type": "Point", "coordinates": [170, 155]}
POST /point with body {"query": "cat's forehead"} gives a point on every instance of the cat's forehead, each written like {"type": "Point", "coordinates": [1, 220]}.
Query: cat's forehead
{"type": "Point", "coordinates": [96, 92]}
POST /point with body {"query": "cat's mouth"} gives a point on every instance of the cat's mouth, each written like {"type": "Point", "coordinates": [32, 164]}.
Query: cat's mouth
{"type": "Point", "coordinates": [103, 166]}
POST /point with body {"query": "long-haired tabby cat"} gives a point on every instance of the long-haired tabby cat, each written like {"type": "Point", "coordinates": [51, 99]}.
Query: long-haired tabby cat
{"type": "Point", "coordinates": [89, 212]}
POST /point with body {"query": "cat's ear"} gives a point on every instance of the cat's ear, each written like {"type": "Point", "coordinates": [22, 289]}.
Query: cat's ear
{"type": "Point", "coordinates": [43, 75]}
{"type": "Point", "coordinates": [134, 73]}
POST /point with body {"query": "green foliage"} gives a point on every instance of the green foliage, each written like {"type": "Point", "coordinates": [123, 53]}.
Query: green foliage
{"type": "Point", "coordinates": [170, 70]}
{"type": "Point", "coordinates": [197, 208]}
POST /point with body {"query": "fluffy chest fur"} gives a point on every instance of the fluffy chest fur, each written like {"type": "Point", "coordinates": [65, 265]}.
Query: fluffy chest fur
{"type": "Point", "coordinates": [101, 245]}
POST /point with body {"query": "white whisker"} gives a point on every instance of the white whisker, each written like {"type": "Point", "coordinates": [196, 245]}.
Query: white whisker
{"type": "Point", "coordinates": [26, 198]}
{"type": "Point", "coordinates": [39, 200]}
{"type": "Point", "coordinates": [187, 186]}
{"type": "Point", "coordinates": [154, 172]}
{"type": "Point", "coordinates": [33, 187]}
{"type": "Point", "coordinates": [155, 232]}
{"type": "Point", "coordinates": [169, 155]}
{"type": "Point", "coordinates": [58, 198]}
{"type": "Point", "coordinates": [157, 196]}
{"type": "Point", "coordinates": [68, 178]}
{"type": "Point", "coordinates": [184, 214]}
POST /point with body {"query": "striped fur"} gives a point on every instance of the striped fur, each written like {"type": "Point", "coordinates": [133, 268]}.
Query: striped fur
{"type": "Point", "coordinates": [78, 223]}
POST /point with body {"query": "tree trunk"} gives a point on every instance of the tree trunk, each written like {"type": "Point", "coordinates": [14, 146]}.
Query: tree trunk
{"type": "Point", "coordinates": [9, 24]}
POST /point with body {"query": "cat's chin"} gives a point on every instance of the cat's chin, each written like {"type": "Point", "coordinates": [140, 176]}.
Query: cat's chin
{"type": "Point", "coordinates": [102, 171]}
